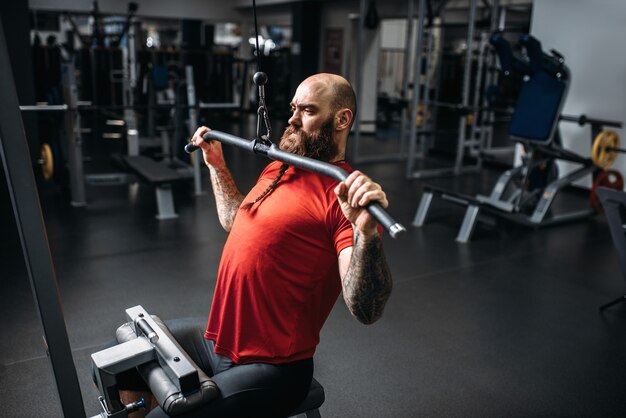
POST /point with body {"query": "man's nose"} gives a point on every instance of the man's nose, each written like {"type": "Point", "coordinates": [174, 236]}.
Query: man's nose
{"type": "Point", "coordinates": [294, 120]}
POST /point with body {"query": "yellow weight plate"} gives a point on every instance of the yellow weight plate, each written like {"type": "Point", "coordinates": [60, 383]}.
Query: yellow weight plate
{"type": "Point", "coordinates": [603, 153]}
{"type": "Point", "coordinates": [46, 159]}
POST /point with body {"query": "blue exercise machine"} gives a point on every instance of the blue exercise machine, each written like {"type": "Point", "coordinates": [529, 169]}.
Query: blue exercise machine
{"type": "Point", "coordinates": [524, 194]}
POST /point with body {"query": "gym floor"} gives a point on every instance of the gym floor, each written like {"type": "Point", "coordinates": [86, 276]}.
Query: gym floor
{"type": "Point", "coordinates": [505, 326]}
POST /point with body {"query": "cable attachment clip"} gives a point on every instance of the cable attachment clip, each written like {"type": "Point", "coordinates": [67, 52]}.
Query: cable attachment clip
{"type": "Point", "coordinates": [260, 79]}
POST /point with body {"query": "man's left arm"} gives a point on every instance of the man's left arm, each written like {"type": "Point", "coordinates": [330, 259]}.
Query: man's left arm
{"type": "Point", "coordinates": [365, 276]}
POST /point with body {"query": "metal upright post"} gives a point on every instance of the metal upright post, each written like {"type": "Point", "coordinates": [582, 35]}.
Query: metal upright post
{"type": "Point", "coordinates": [192, 125]}
{"type": "Point", "coordinates": [132, 53]}
{"type": "Point", "coordinates": [359, 74]}
{"type": "Point", "coordinates": [462, 142]}
{"type": "Point", "coordinates": [413, 133]}
{"type": "Point", "coordinates": [74, 138]}
{"type": "Point", "coordinates": [425, 93]}
{"type": "Point", "coordinates": [20, 178]}
{"type": "Point", "coordinates": [130, 83]}
{"type": "Point", "coordinates": [406, 74]}
{"type": "Point", "coordinates": [479, 125]}
{"type": "Point", "coordinates": [487, 116]}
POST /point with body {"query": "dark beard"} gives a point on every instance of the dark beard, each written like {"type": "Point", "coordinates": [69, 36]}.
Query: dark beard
{"type": "Point", "coordinates": [318, 144]}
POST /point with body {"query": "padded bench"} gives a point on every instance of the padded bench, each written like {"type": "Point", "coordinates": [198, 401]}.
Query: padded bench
{"type": "Point", "coordinates": [177, 383]}
{"type": "Point", "coordinates": [314, 399]}
{"type": "Point", "coordinates": [161, 177]}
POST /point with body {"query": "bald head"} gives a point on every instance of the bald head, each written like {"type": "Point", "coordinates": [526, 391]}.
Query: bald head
{"type": "Point", "coordinates": [335, 90]}
{"type": "Point", "coordinates": [323, 109]}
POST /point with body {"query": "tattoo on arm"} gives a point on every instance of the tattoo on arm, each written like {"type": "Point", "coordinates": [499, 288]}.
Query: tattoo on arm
{"type": "Point", "coordinates": [367, 283]}
{"type": "Point", "coordinates": [228, 198]}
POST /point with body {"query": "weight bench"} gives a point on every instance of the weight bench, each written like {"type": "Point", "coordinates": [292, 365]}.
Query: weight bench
{"type": "Point", "coordinates": [161, 177]}
{"type": "Point", "coordinates": [176, 382]}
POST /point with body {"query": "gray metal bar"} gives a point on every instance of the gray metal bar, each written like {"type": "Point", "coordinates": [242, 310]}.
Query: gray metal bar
{"type": "Point", "coordinates": [406, 71]}
{"type": "Point", "coordinates": [468, 224]}
{"type": "Point", "coordinates": [425, 94]}
{"type": "Point", "coordinates": [172, 359]}
{"type": "Point", "coordinates": [132, 55]}
{"type": "Point", "coordinates": [503, 181]}
{"type": "Point", "coordinates": [130, 82]}
{"type": "Point", "coordinates": [44, 108]}
{"type": "Point", "coordinates": [422, 210]}
{"type": "Point", "coordinates": [550, 192]}
{"type": "Point", "coordinates": [460, 150]}
{"type": "Point", "coordinates": [487, 116]}
{"type": "Point", "coordinates": [583, 120]}
{"type": "Point", "coordinates": [132, 132]}
{"type": "Point", "coordinates": [219, 106]}
{"type": "Point", "coordinates": [359, 72]}
{"type": "Point", "coordinates": [29, 219]}
{"type": "Point", "coordinates": [74, 138]}
{"type": "Point", "coordinates": [192, 124]}
{"type": "Point", "coordinates": [413, 132]}
{"type": "Point", "coordinates": [165, 203]}
{"type": "Point", "coordinates": [479, 114]}
{"type": "Point", "coordinates": [393, 228]}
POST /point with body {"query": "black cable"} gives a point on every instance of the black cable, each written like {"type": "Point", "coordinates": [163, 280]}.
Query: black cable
{"type": "Point", "coordinates": [256, 32]}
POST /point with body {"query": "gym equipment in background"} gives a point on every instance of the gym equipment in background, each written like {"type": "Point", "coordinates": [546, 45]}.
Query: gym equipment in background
{"type": "Point", "coordinates": [525, 194]}
{"type": "Point", "coordinates": [614, 204]}
{"type": "Point", "coordinates": [108, 133]}
{"type": "Point", "coordinates": [18, 171]}
{"type": "Point", "coordinates": [610, 179]}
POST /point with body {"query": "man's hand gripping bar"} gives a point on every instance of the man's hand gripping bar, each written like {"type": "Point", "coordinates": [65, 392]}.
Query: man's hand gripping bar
{"type": "Point", "coordinates": [273, 152]}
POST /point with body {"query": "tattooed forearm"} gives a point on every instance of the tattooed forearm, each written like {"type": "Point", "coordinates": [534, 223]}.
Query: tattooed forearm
{"type": "Point", "coordinates": [367, 283]}
{"type": "Point", "coordinates": [227, 195]}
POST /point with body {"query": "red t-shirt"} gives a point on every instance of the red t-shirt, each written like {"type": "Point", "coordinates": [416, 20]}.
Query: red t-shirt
{"type": "Point", "coordinates": [278, 278]}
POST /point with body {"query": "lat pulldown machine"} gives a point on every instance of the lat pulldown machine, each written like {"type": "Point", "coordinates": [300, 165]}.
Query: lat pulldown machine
{"type": "Point", "coordinates": [524, 194]}
{"type": "Point", "coordinates": [175, 380]}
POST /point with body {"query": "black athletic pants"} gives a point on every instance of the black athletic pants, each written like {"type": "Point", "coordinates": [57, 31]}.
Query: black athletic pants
{"type": "Point", "coordinates": [247, 390]}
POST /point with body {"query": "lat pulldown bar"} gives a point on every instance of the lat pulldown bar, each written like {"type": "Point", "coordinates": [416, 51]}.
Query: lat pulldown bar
{"type": "Point", "coordinates": [273, 152]}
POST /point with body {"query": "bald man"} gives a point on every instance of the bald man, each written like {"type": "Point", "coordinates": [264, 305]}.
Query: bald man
{"type": "Point", "coordinates": [296, 241]}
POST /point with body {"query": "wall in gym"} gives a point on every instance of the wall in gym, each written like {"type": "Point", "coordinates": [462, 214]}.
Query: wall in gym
{"type": "Point", "coordinates": [344, 15]}
{"type": "Point", "coordinates": [590, 35]}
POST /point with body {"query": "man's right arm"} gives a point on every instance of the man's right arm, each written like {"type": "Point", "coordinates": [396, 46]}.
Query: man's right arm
{"type": "Point", "coordinates": [228, 198]}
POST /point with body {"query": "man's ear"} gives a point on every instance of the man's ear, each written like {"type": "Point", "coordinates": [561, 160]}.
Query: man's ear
{"type": "Point", "coordinates": [343, 119]}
